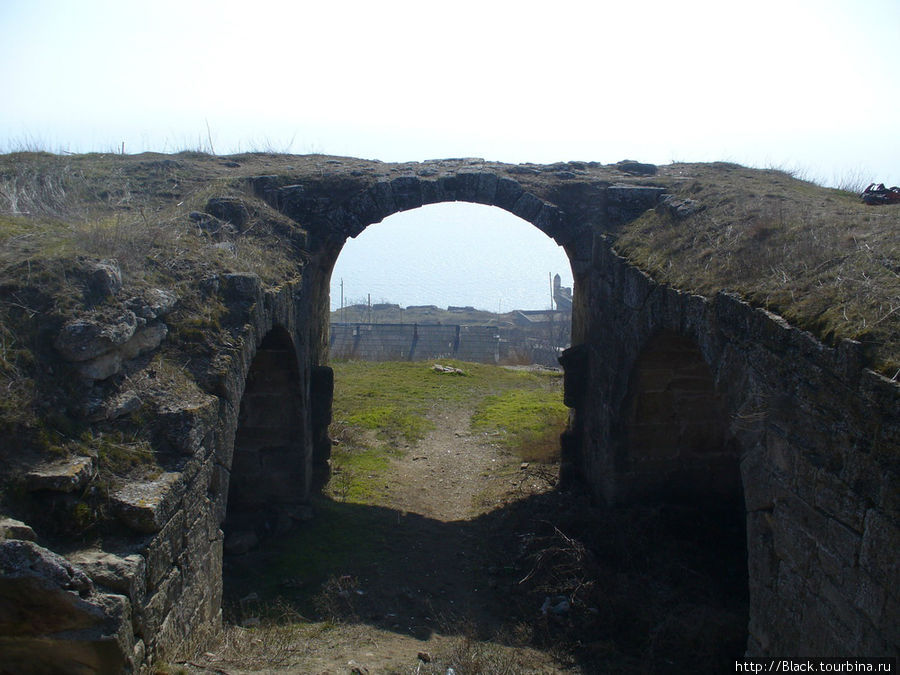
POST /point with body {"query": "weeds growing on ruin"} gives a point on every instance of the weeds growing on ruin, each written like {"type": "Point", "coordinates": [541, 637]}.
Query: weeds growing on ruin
{"type": "Point", "coordinates": [819, 257]}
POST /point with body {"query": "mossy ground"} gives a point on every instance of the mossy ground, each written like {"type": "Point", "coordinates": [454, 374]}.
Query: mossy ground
{"type": "Point", "coordinates": [382, 409]}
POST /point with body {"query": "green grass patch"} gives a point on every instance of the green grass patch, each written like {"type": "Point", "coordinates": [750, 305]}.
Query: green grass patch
{"type": "Point", "coordinates": [355, 471]}
{"type": "Point", "coordinates": [392, 422]}
{"type": "Point", "coordinates": [341, 539]}
{"type": "Point", "coordinates": [529, 421]}
{"type": "Point", "coordinates": [381, 409]}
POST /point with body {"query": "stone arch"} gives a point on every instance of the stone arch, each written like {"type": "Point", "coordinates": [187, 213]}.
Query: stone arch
{"type": "Point", "coordinates": [270, 467]}
{"type": "Point", "coordinates": [674, 441]}
{"type": "Point", "coordinates": [385, 198]}
{"type": "Point", "coordinates": [675, 448]}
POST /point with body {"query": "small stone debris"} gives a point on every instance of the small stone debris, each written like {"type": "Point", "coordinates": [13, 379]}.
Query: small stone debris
{"type": "Point", "coordinates": [250, 597]}
{"type": "Point", "coordinates": [10, 528]}
{"type": "Point", "coordinates": [523, 465]}
{"type": "Point", "coordinates": [558, 606]}
{"type": "Point", "coordinates": [447, 370]}
{"type": "Point", "coordinates": [678, 209]}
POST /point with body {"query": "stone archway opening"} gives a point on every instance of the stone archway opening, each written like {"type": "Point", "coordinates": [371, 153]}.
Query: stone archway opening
{"type": "Point", "coordinates": [676, 445]}
{"type": "Point", "coordinates": [451, 263]}
{"type": "Point", "coordinates": [269, 471]}
{"type": "Point", "coordinates": [677, 456]}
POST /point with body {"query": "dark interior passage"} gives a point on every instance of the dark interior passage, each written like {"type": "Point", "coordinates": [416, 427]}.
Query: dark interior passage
{"type": "Point", "coordinates": [268, 471]}
{"type": "Point", "coordinates": [677, 457]}
{"type": "Point", "coordinates": [675, 444]}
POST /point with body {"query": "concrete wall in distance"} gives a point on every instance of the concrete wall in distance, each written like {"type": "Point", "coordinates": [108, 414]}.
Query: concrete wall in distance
{"type": "Point", "coordinates": [413, 342]}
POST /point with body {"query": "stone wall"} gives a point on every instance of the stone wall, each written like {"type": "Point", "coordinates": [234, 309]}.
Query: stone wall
{"type": "Point", "coordinates": [156, 591]}
{"type": "Point", "coordinates": [816, 436]}
{"type": "Point", "coordinates": [180, 604]}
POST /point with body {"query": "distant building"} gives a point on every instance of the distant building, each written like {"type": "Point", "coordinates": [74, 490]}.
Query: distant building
{"type": "Point", "coordinates": [562, 295]}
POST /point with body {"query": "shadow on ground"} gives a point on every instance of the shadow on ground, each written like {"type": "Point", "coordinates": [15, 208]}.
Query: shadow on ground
{"type": "Point", "coordinates": [642, 589]}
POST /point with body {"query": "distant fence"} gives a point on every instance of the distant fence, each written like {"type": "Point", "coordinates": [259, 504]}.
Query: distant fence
{"type": "Point", "coordinates": [413, 342]}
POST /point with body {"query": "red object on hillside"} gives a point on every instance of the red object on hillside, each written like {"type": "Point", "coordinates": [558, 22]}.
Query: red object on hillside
{"type": "Point", "coordinates": [879, 194]}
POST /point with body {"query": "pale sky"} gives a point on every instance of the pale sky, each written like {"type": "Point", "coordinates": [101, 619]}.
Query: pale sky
{"type": "Point", "coordinates": [796, 84]}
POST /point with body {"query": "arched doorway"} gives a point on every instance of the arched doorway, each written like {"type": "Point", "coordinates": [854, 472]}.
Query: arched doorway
{"type": "Point", "coordinates": [270, 473]}
{"type": "Point", "coordinates": [674, 443]}
{"type": "Point", "coordinates": [677, 461]}
{"type": "Point", "coordinates": [484, 275]}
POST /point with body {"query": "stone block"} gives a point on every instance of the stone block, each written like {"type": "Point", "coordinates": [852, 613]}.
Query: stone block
{"type": "Point", "coordinates": [780, 452]}
{"type": "Point", "coordinates": [383, 196]}
{"type": "Point", "coordinates": [240, 287]}
{"type": "Point", "coordinates": [837, 609]}
{"type": "Point", "coordinates": [765, 612]}
{"type": "Point", "coordinates": [145, 340]}
{"type": "Point", "coordinates": [762, 564]}
{"type": "Point", "coordinates": [486, 188]}
{"type": "Point", "coordinates": [196, 499]}
{"type": "Point", "coordinates": [124, 574]}
{"type": "Point", "coordinates": [507, 193]}
{"type": "Point", "coordinates": [188, 424]}
{"type": "Point", "coordinates": [758, 482]}
{"type": "Point", "coordinates": [101, 368]}
{"type": "Point", "coordinates": [835, 498]}
{"type": "Point", "coordinates": [867, 595]}
{"type": "Point", "coordinates": [550, 221]}
{"type": "Point", "coordinates": [527, 207]}
{"type": "Point", "coordinates": [199, 540]}
{"type": "Point", "coordinates": [87, 338]}
{"type": "Point", "coordinates": [432, 192]}
{"type": "Point", "coordinates": [365, 211]}
{"type": "Point", "coordinates": [10, 528]}
{"type": "Point", "coordinates": [163, 550]}
{"type": "Point", "coordinates": [147, 506]}
{"type": "Point", "coordinates": [878, 555]}
{"type": "Point", "coordinates": [51, 615]}
{"type": "Point", "coordinates": [843, 542]}
{"type": "Point", "coordinates": [157, 607]}
{"type": "Point", "coordinates": [791, 584]}
{"type": "Point", "coordinates": [889, 623]}
{"type": "Point", "coordinates": [66, 475]}
{"type": "Point", "coordinates": [831, 565]}
{"type": "Point", "coordinates": [792, 543]}
{"type": "Point", "coordinates": [230, 209]}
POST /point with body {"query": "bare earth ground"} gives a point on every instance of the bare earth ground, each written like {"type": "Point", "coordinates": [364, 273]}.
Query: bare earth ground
{"type": "Point", "coordinates": [439, 582]}
{"type": "Point", "coordinates": [464, 558]}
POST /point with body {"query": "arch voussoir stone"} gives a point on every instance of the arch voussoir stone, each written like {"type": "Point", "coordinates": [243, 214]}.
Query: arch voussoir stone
{"type": "Point", "coordinates": [407, 192]}
{"type": "Point", "coordinates": [383, 195]}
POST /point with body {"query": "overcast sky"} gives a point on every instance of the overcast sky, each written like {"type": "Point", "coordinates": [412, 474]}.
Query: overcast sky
{"type": "Point", "coordinates": [806, 85]}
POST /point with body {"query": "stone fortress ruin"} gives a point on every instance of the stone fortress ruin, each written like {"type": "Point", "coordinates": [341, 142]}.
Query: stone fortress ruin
{"type": "Point", "coordinates": [670, 393]}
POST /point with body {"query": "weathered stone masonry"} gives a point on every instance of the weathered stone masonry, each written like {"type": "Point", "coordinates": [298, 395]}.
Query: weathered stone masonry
{"type": "Point", "coordinates": [672, 395]}
{"type": "Point", "coordinates": [816, 437]}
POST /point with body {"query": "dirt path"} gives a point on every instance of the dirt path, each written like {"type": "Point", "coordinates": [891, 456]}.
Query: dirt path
{"type": "Point", "coordinates": [447, 470]}
{"type": "Point", "coordinates": [433, 587]}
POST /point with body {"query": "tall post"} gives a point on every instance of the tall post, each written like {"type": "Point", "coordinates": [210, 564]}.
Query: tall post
{"type": "Point", "coordinates": [550, 276]}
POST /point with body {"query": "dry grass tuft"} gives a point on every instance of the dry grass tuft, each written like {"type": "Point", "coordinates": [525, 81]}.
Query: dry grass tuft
{"type": "Point", "coordinates": [819, 257]}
